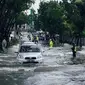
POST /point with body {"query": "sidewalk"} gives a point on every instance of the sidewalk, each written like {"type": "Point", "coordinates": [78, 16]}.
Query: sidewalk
{"type": "Point", "coordinates": [10, 52]}
{"type": "Point", "coordinates": [80, 53]}
{"type": "Point", "coordinates": [13, 49]}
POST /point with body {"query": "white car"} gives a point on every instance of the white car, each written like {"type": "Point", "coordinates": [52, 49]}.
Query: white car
{"type": "Point", "coordinates": [29, 53]}
{"type": "Point", "coordinates": [27, 43]}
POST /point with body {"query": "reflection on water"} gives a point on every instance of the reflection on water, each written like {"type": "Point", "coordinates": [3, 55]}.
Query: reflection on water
{"type": "Point", "coordinates": [11, 79]}
{"type": "Point", "coordinates": [16, 75]}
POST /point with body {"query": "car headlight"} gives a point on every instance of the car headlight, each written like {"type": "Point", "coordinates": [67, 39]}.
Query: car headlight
{"type": "Point", "coordinates": [20, 56]}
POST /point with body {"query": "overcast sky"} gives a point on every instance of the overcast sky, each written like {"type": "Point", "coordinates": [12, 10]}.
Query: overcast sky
{"type": "Point", "coordinates": [36, 5]}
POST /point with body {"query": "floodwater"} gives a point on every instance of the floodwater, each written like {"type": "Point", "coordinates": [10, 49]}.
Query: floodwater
{"type": "Point", "coordinates": [56, 69]}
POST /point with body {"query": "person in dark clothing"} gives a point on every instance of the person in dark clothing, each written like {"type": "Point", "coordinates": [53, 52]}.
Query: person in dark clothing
{"type": "Point", "coordinates": [74, 50]}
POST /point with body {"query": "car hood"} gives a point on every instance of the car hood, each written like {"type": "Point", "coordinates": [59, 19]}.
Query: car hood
{"type": "Point", "coordinates": [33, 54]}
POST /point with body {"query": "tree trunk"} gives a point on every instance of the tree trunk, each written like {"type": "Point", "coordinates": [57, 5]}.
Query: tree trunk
{"type": "Point", "coordinates": [80, 41]}
{"type": "Point", "coordinates": [77, 41]}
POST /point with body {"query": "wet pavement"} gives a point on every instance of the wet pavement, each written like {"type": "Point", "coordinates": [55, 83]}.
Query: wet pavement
{"type": "Point", "coordinates": [57, 68]}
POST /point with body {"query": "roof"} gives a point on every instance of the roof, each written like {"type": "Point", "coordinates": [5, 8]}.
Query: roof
{"type": "Point", "coordinates": [28, 43]}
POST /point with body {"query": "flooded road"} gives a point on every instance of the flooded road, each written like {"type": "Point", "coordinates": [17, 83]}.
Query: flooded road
{"type": "Point", "coordinates": [59, 76]}
{"type": "Point", "coordinates": [56, 69]}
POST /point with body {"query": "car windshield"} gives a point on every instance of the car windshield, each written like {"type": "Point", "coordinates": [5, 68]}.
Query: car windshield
{"type": "Point", "coordinates": [29, 49]}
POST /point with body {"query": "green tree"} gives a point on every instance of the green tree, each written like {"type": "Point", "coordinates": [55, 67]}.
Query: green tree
{"type": "Point", "coordinates": [22, 19]}
{"type": "Point", "coordinates": [32, 18]}
{"type": "Point", "coordinates": [50, 17]}
{"type": "Point", "coordinates": [75, 16]}
{"type": "Point", "coordinates": [9, 11]}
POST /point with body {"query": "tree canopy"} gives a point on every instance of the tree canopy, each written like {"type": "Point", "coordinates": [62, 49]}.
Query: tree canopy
{"type": "Point", "coordinates": [64, 18]}
{"type": "Point", "coordinates": [50, 16]}
{"type": "Point", "coordinates": [9, 11]}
